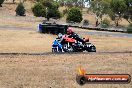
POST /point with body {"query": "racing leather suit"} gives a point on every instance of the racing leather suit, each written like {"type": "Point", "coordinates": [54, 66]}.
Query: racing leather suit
{"type": "Point", "coordinates": [76, 37]}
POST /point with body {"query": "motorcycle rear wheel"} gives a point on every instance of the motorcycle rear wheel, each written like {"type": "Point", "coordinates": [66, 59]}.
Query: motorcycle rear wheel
{"type": "Point", "coordinates": [91, 48]}
{"type": "Point", "coordinates": [67, 48]}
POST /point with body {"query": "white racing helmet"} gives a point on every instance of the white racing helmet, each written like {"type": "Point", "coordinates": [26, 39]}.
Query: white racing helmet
{"type": "Point", "coordinates": [59, 35]}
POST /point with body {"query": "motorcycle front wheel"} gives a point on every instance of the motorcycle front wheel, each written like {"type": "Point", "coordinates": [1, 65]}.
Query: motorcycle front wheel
{"type": "Point", "coordinates": [54, 50]}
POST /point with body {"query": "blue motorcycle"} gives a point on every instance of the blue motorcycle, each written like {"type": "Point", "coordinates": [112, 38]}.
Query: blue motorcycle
{"type": "Point", "coordinates": [57, 46]}
{"type": "Point", "coordinates": [66, 44]}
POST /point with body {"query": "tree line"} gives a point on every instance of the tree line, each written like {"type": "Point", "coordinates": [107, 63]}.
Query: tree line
{"type": "Point", "coordinates": [116, 9]}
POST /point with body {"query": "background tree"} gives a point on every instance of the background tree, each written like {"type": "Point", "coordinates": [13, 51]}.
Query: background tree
{"type": "Point", "coordinates": [1, 1]}
{"type": "Point", "coordinates": [13, 1]}
{"type": "Point", "coordinates": [100, 8]}
{"type": "Point", "coordinates": [129, 28]}
{"type": "Point", "coordinates": [72, 3]}
{"type": "Point", "coordinates": [47, 8]}
{"type": "Point", "coordinates": [74, 14]}
{"type": "Point", "coordinates": [52, 9]}
{"type": "Point", "coordinates": [105, 23]}
{"type": "Point", "coordinates": [118, 8]}
{"type": "Point", "coordinates": [39, 10]}
{"type": "Point", "coordinates": [128, 11]}
{"type": "Point", "coordinates": [20, 10]}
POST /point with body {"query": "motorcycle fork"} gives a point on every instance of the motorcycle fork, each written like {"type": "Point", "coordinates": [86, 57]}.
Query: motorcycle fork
{"type": "Point", "coordinates": [68, 44]}
{"type": "Point", "coordinates": [57, 49]}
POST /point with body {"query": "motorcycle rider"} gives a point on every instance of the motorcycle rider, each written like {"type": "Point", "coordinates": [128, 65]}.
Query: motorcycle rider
{"type": "Point", "coordinates": [60, 37]}
{"type": "Point", "coordinates": [74, 35]}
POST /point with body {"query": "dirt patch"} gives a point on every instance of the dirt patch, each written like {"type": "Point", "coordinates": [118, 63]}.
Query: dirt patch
{"type": "Point", "coordinates": [24, 41]}
{"type": "Point", "coordinates": [59, 71]}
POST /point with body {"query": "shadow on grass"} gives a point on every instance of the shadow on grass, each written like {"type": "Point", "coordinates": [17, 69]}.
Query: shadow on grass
{"type": "Point", "coordinates": [65, 53]}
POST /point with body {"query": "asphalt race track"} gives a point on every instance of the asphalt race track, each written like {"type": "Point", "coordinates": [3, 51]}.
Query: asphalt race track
{"type": "Point", "coordinates": [91, 33]}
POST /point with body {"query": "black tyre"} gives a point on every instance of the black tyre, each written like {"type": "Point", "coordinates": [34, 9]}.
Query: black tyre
{"type": "Point", "coordinates": [54, 50]}
{"type": "Point", "coordinates": [81, 80]}
{"type": "Point", "coordinates": [90, 47]}
{"type": "Point", "coordinates": [67, 48]}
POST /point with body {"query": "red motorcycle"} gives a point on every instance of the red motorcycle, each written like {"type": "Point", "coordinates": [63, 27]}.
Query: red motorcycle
{"type": "Point", "coordinates": [72, 45]}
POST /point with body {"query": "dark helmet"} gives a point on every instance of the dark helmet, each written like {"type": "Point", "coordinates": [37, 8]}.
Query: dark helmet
{"type": "Point", "coordinates": [69, 30]}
